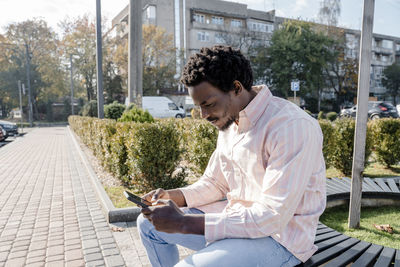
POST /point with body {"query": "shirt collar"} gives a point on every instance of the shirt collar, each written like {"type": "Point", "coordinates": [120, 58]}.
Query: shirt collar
{"type": "Point", "coordinates": [249, 116]}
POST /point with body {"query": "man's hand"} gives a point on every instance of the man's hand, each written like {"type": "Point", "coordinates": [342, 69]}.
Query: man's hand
{"type": "Point", "coordinates": [174, 194]}
{"type": "Point", "coordinates": [167, 217]}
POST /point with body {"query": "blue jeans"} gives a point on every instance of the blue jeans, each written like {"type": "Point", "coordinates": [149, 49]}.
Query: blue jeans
{"type": "Point", "coordinates": [162, 250]}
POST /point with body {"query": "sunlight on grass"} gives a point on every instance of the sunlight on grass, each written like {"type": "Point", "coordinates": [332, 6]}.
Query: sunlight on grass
{"type": "Point", "coordinates": [336, 218]}
{"type": "Point", "coordinates": [374, 170]}
{"type": "Point", "coordinates": [116, 194]}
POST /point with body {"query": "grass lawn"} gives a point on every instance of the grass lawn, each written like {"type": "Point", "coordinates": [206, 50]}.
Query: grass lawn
{"type": "Point", "coordinates": [336, 218]}
{"type": "Point", "coordinates": [373, 170]}
{"type": "Point", "coordinates": [116, 194]}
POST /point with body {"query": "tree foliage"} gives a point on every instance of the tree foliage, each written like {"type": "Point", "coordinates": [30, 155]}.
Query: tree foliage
{"type": "Point", "coordinates": [47, 74]}
{"type": "Point", "coordinates": [159, 59]}
{"type": "Point", "coordinates": [298, 52]}
{"type": "Point", "coordinates": [391, 80]}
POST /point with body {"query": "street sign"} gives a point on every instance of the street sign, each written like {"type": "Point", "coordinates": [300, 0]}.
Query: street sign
{"type": "Point", "coordinates": [295, 86]}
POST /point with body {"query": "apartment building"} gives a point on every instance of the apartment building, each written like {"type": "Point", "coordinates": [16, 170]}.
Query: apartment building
{"type": "Point", "coordinates": [195, 24]}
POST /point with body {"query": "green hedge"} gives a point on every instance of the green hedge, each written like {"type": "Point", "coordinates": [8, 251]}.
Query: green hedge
{"type": "Point", "coordinates": [386, 135]}
{"type": "Point", "coordinates": [343, 145]}
{"type": "Point", "coordinates": [149, 155]}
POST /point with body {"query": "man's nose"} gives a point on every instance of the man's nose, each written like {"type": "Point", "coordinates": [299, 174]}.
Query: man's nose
{"type": "Point", "coordinates": [204, 113]}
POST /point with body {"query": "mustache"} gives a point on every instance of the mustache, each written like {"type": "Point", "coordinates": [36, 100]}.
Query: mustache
{"type": "Point", "coordinates": [212, 119]}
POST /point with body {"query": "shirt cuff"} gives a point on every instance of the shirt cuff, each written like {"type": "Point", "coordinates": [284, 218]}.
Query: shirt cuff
{"type": "Point", "coordinates": [190, 197]}
{"type": "Point", "coordinates": [214, 227]}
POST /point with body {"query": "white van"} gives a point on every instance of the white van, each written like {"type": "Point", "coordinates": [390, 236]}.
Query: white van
{"type": "Point", "coordinates": [162, 107]}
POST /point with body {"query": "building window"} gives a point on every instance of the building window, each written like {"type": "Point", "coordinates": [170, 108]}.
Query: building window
{"type": "Point", "coordinates": [236, 23]}
{"type": "Point", "coordinates": [219, 38]}
{"type": "Point", "coordinates": [261, 26]}
{"type": "Point", "coordinates": [217, 20]}
{"type": "Point", "coordinates": [149, 15]}
{"type": "Point", "coordinates": [203, 36]}
{"type": "Point", "coordinates": [387, 44]}
{"type": "Point", "coordinates": [199, 18]}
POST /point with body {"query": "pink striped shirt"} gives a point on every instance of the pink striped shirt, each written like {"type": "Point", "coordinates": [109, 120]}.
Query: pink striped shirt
{"type": "Point", "coordinates": [271, 170]}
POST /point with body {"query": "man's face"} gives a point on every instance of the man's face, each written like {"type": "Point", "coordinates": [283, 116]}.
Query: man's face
{"type": "Point", "coordinates": [218, 107]}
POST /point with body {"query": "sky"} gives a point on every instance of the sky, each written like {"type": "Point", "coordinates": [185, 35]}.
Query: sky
{"type": "Point", "coordinates": [386, 20]}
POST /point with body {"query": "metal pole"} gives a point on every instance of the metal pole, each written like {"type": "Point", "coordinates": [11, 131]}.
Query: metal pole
{"type": "Point", "coordinates": [362, 114]}
{"type": "Point", "coordinates": [99, 62]}
{"type": "Point", "coordinates": [20, 103]}
{"type": "Point", "coordinates": [28, 77]}
{"type": "Point", "coordinates": [72, 86]}
{"type": "Point", "coordinates": [135, 71]}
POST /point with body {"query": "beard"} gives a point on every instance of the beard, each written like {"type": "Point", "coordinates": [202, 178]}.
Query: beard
{"type": "Point", "coordinates": [227, 124]}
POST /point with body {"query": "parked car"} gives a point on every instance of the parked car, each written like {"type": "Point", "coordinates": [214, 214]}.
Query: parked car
{"type": "Point", "coordinates": [398, 109]}
{"type": "Point", "coordinates": [9, 127]}
{"type": "Point", "coordinates": [2, 134]}
{"type": "Point", "coordinates": [376, 110]}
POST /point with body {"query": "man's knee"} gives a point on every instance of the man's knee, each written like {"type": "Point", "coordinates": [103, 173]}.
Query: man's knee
{"type": "Point", "coordinates": [143, 225]}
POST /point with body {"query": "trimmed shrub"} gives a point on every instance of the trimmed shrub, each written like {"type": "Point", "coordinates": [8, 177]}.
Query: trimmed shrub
{"type": "Point", "coordinates": [342, 156]}
{"type": "Point", "coordinates": [195, 112]}
{"type": "Point", "coordinates": [90, 109]}
{"type": "Point", "coordinates": [386, 134]}
{"type": "Point", "coordinates": [153, 154]}
{"type": "Point", "coordinates": [114, 110]}
{"type": "Point", "coordinates": [321, 115]}
{"type": "Point", "coordinates": [331, 116]}
{"type": "Point", "coordinates": [116, 163]}
{"type": "Point", "coordinates": [202, 141]}
{"type": "Point", "coordinates": [136, 114]}
{"type": "Point", "coordinates": [328, 148]}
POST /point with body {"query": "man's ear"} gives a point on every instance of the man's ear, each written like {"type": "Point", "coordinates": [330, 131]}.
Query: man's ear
{"type": "Point", "coordinates": [238, 87]}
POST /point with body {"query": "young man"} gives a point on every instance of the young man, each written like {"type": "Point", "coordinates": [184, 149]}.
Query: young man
{"type": "Point", "coordinates": [268, 165]}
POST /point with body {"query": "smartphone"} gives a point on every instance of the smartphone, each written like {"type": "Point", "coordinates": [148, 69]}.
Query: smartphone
{"type": "Point", "coordinates": [135, 199]}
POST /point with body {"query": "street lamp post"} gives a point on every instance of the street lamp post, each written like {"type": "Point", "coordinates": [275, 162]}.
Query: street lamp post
{"type": "Point", "coordinates": [100, 97]}
{"type": "Point", "coordinates": [72, 86]}
{"type": "Point", "coordinates": [28, 77]}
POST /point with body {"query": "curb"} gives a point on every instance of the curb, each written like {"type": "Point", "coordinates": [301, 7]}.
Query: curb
{"type": "Point", "coordinates": [112, 213]}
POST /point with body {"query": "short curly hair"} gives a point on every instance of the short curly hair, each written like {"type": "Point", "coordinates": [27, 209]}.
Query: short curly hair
{"type": "Point", "coordinates": [220, 66]}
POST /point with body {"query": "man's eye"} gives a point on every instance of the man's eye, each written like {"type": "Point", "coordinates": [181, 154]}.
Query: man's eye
{"type": "Point", "coordinates": [209, 105]}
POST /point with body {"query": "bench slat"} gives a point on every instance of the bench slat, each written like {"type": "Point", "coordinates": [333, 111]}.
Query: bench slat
{"type": "Point", "coordinates": [397, 259]}
{"type": "Point", "coordinates": [373, 184]}
{"type": "Point", "coordinates": [385, 258]}
{"type": "Point", "coordinates": [393, 186]}
{"type": "Point", "coordinates": [334, 182]}
{"type": "Point", "coordinates": [330, 242]}
{"type": "Point", "coordinates": [365, 186]}
{"type": "Point", "coordinates": [326, 236]}
{"type": "Point", "coordinates": [383, 185]}
{"type": "Point", "coordinates": [331, 252]}
{"type": "Point", "coordinates": [368, 256]}
{"type": "Point", "coordinates": [350, 255]}
{"type": "Point", "coordinates": [344, 183]}
{"type": "Point", "coordinates": [324, 231]}
{"type": "Point", "coordinates": [332, 189]}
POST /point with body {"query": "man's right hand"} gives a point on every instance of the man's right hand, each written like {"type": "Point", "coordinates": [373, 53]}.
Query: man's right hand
{"type": "Point", "coordinates": [175, 195]}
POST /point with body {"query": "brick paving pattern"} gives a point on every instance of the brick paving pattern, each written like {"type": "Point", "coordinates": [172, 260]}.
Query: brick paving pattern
{"type": "Point", "coordinates": [49, 213]}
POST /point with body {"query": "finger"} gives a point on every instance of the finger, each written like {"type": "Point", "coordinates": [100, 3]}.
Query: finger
{"type": "Point", "coordinates": [162, 202]}
{"type": "Point", "coordinates": [157, 194]}
{"type": "Point", "coordinates": [148, 196]}
{"type": "Point", "coordinates": [146, 211]}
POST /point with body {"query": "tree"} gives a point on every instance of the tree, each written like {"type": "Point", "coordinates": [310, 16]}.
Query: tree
{"type": "Point", "coordinates": [298, 52]}
{"type": "Point", "coordinates": [47, 76]}
{"type": "Point", "coordinates": [391, 80]}
{"type": "Point", "coordinates": [79, 39]}
{"type": "Point", "coordinates": [159, 60]}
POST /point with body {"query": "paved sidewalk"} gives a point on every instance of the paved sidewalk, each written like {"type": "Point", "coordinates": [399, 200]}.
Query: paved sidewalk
{"type": "Point", "coordinates": [49, 214]}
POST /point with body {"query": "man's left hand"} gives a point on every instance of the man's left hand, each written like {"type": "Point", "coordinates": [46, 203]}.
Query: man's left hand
{"type": "Point", "coordinates": [165, 216]}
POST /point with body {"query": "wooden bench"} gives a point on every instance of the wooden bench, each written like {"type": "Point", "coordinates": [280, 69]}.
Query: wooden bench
{"type": "Point", "coordinates": [336, 249]}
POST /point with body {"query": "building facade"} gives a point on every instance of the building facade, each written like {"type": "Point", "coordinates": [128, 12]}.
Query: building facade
{"type": "Point", "coordinates": [196, 24]}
